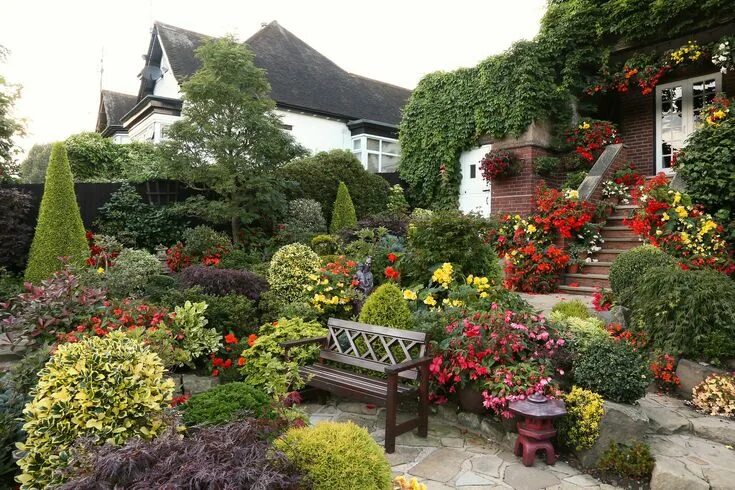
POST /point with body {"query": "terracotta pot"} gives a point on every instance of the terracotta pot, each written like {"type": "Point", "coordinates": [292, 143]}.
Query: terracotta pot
{"type": "Point", "coordinates": [573, 268]}
{"type": "Point", "coordinates": [470, 400]}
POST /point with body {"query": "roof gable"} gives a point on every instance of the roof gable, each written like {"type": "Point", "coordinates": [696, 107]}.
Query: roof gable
{"type": "Point", "coordinates": [113, 106]}
{"type": "Point", "coordinates": [300, 76]}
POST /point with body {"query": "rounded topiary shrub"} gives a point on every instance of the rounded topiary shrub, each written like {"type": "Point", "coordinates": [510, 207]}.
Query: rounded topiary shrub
{"type": "Point", "coordinates": [108, 389]}
{"type": "Point", "coordinates": [289, 272]}
{"type": "Point", "coordinates": [333, 452]}
{"type": "Point", "coordinates": [325, 244]}
{"type": "Point", "coordinates": [614, 369]}
{"type": "Point", "coordinates": [304, 217]}
{"type": "Point", "coordinates": [132, 271]}
{"type": "Point", "coordinates": [59, 231]}
{"type": "Point", "coordinates": [580, 427]}
{"type": "Point", "coordinates": [687, 313]}
{"type": "Point", "coordinates": [630, 265]}
{"type": "Point", "coordinates": [343, 213]}
{"type": "Point", "coordinates": [224, 403]}
{"type": "Point", "coordinates": [386, 307]}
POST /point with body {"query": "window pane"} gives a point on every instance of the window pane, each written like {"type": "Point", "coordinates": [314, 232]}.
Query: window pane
{"type": "Point", "coordinates": [703, 92]}
{"type": "Point", "coordinates": [373, 144]}
{"type": "Point", "coordinates": [390, 164]}
{"type": "Point", "coordinates": [372, 164]}
{"type": "Point", "coordinates": [391, 147]}
{"type": "Point", "coordinates": [672, 127]}
{"type": "Point", "coordinates": [473, 171]}
{"type": "Point", "coordinates": [356, 144]}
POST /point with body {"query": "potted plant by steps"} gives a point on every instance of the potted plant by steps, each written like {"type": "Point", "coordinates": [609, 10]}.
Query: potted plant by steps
{"type": "Point", "coordinates": [577, 258]}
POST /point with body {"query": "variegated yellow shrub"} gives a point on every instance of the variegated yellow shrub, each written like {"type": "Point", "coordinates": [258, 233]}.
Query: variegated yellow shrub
{"type": "Point", "coordinates": [107, 389]}
{"type": "Point", "coordinates": [580, 428]}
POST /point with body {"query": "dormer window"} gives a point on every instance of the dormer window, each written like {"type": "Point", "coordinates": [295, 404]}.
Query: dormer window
{"type": "Point", "coordinates": [377, 154]}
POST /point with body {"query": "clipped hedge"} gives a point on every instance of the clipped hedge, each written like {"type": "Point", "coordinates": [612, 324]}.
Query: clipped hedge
{"type": "Point", "coordinates": [343, 213]}
{"type": "Point", "coordinates": [319, 176]}
{"type": "Point", "coordinates": [59, 231]}
{"type": "Point", "coordinates": [386, 307]}
{"type": "Point", "coordinates": [289, 272]}
{"type": "Point", "coordinates": [628, 268]}
{"type": "Point", "coordinates": [221, 282]}
{"type": "Point", "coordinates": [224, 403]}
{"type": "Point", "coordinates": [333, 452]}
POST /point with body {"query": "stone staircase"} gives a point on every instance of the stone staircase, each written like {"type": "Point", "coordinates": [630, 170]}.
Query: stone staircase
{"type": "Point", "coordinates": [617, 239]}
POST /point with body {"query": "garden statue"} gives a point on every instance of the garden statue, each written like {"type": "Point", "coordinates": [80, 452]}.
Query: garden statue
{"type": "Point", "coordinates": [365, 277]}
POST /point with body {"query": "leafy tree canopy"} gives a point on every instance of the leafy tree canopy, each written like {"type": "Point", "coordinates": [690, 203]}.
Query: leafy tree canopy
{"type": "Point", "coordinates": [33, 168]}
{"type": "Point", "coordinates": [9, 125]}
{"type": "Point", "coordinates": [230, 138]}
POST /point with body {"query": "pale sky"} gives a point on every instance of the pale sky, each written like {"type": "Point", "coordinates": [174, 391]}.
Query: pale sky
{"type": "Point", "coordinates": [56, 46]}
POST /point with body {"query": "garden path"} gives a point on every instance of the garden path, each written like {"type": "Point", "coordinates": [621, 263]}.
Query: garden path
{"type": "Point", "coordinates": [453, 458]}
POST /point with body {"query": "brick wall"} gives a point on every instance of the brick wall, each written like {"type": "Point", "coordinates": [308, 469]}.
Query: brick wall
{"type": "Point", "coordinates": [638, 123]}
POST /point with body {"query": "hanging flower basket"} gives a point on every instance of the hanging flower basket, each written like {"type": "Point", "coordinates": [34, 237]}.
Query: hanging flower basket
{"type": "Point", "coordinates": [499, 164]}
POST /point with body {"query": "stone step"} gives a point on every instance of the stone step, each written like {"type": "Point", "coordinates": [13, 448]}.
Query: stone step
{"type": "Point", "coordinates": [626, 207]}
{"type": "Point", "coordinates": [581, 290]}
{"type": "Point", "coordinates": [622, 243]}
{"type": "Point", "coordinates": [596, 268]}
{"type": "Point", "coordinates": [608, 254]}
{"type": "Point", "coordinates": [587, 280]}
{"type": "Point", "coordinates": [617, 232]}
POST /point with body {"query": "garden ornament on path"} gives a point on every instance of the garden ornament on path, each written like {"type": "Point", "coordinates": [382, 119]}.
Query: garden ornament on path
{"type": "Point", "coordinates": [365, 277]}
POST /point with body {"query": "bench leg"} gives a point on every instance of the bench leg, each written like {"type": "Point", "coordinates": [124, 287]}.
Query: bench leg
{"type": "Point", "coordinates": [424, 401]}
{"type": "Point", "coordinates": [391, 410]}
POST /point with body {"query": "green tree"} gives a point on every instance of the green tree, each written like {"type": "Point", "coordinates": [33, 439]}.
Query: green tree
{"type": "Point", "coordinates": [343, 214]}
{"type": "Point", "coordinates": [93, 157]}
{"type": "Point", "coordinates": [387, 307]}
{"type": "Point", "coordinates": [9, 125]}
{"type": "Point", "coordinates": [59, 231]}
{"type": "Point", "coordinates": [229, 139]}
{"type": "Point", "coordinates": [33, 168]}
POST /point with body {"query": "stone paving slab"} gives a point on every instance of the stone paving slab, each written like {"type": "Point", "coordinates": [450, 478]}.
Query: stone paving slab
{"type": "Point", "coordinates": [451, 457]}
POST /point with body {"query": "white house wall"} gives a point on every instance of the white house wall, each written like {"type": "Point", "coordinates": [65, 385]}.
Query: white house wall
{"type": "Point", "coordinates": [317, 133]}
{"type": "Point", "coordinates": [474, 192]}
{"type": "Point", "coordinates": [166, 86]}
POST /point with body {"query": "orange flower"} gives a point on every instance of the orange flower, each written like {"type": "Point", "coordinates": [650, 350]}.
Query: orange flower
{"type": "Point", "coordinates": [392, 257]}
{"type": "Point", "coordinates": [251, 339]}
{"type": "Point", "coordinates": [241, 361]}
{"type": "Point", "coordinates": [230, 338]}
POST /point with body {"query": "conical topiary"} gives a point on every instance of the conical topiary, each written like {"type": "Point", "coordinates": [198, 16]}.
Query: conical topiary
{"type": "Point", "coordinates": [343, 214]}
{"type": "Point", "coordinates": [387, 307]}
{"type": "Point", "coordinates": [59, 231]}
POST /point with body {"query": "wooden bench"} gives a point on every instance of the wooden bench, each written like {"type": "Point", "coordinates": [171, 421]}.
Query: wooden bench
{"type": "Point", "coordinates": [394, 352]}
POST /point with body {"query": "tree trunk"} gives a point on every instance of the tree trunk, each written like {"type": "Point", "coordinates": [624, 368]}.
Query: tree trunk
{"type": "Point", "coordinates": [236, 230]}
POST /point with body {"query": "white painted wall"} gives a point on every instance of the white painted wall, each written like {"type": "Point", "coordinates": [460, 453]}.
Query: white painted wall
{"type": "Point", "coordinates": [474, 193]}
{"type": "Point", "coordinates": [317, 133]}
{"type": "Point", "coordinates": [167, 86]}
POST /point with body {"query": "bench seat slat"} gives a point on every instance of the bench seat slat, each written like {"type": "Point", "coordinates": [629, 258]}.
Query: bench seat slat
{"type": "Point", "coordinates": [363, 363]}
{"type": "Point", "coordinates": [353, 382]}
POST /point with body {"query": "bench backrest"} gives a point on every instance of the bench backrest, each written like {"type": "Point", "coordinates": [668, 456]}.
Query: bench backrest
{"type": "Point", "coordinates": [372, 346]}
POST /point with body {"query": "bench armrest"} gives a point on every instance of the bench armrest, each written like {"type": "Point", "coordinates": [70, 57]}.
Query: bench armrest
{"type": "Point", "coordinates": [296, 343]}
{"type": "Point", "coordinates": [406, 365]}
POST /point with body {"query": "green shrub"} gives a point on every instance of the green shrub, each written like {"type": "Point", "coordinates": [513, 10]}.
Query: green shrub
{"type": "Point", "coordinates": [224, 403]}
{"type": "Point", "coordinates": [203, 240]}
{"type": "Point", "coordinates": [319, 176]}
{"type": "Point", "coordinates": [198, 340]}
{"type": "Point", "coordinates": [631, 265]}
{"type": "Point", "coordinates": [635, 461]}
{"type": "Point", "coordinates": [573, 308]}
{"type": "Point", "coordinates": [580, 427]}
{"type": "Point", "coordinates": [158, 287]}
{"type": "Point", "coordinates": [386, 307]}
{"type": "Point", "coordinates": [343, 213]}
{"type": "Point", "coordinates": [449, 236]}
{"type": "Point", "coordinates": [138, 224]}
{"type": "Point", "coordinates": [397, 203]}
{"type": "Point", "coordinates": [574, 179]}
{"type": "Point", "coordinates": [236, 259]}
{"type": "Point", "coordinates": [131, 273]}
{"type": "Point", "coordinates": [545, 166]}
{"type": "Point", "coordinates": [579, 332]}
{"type": "Point", "coordinates": [59, 231]}
{"type": "Point", "coordinates": [106, 388]}
{"type": "Point", "coordinates": [334, 452]}
{"type": "Point", "coordinates": [266, 367]}
{"type": "Point", "coordinates": [687, 313]}
{"type": "Point", "coordinates": [304, 218]}
{"type": "Point", "coordinates": [708, 166]}
{"type": "Point", "coordinates": [289, 272]}
{"type": "Point", "coordinates": [325, 245]}
{"type": "Point", "coordinates": [614, 369]}
{"type": "Point", "coordinates": [10, 285]}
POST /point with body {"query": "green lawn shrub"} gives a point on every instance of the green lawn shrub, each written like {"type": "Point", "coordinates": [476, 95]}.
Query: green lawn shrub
{"type": "Point", "coordinates": [343, 213]}
{"type": "Point", "coordinates": [225, 403]}
{"type": "Point", "coordinates": [304, 219]}
{"type": "Point", "coordinates": [386, 307]}
{"type": "Point", "coordinates": [202, 240]}
{"type": "Point", "coordinates": [628, 268]}
{"type": "Point", "coordinates": [580, 427]}
{"type": "Point", "coordinates": [325, 245]}
{"type": "Point", "coordinates": [59, 231]}
{"type": "Point", "coordinates": [289, 271]}
{"type": "Point", "coordinates": [574, 308]}
{"type": "Point", "coordinates": [634, 461]}
{"type": "Point", "coordinates": [132, 271]}
{"type": "Point", "coordinates": [337, 452]}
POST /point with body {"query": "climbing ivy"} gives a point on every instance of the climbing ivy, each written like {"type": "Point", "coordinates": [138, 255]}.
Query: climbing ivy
{"type": "Point", "coordinates": [532, 81]}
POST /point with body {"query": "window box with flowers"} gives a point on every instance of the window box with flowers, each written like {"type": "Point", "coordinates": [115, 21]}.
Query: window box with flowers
{"type": "Point", "coordinates": [498, 165]}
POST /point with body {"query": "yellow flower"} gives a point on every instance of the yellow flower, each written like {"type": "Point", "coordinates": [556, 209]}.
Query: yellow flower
{"type": "Point", "coordinates": [443, 275]}
{"type": "Point", "coordinates": [584, 125]}
{"type": "Point", "coordinates": [719, 114]}
{"type": "Point", "coordinates": [531, 228]}
{"type": "Point", "coordinates": [665, 217]}
{"type": "Point", "coordinates": [100, 270]}
{"type": "Point", "coordinates": [677, 197]}
{"type": "Point", "coordinates": [409, 294]}
{"type": "Point", "coordinates": [470, 278]}
{"type": "Point", "coordinates": [430, 301]}
{"type": "Point", "coordinates": [571, 194]}
{"type": "Point", "coordinates": [484, 294]}
{"type": "Point", "coordinates": [681, 211]}
{"type": "Point", "coordinates": [685, 238]}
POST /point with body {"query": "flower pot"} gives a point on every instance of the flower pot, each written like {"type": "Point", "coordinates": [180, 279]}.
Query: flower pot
{"type": "Point", "coordinates": [470, 400]}
{"type": "Point", "coordinates": [573, 268]}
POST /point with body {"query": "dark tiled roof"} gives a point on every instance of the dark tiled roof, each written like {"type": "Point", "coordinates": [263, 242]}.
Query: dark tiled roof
{"type": "Point", "coordinates": [300, 76]}
{"type": "Point", "coordinates": [113, 106]}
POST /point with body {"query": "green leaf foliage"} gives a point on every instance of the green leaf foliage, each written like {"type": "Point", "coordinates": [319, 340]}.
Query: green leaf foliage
{"type": "Point", "coordinates": [337, 452]}
{"type": "Point", "coordinates": [289, 271]}
{"type": "Point", "coordinates": [630, 266]}
{"type": "Point", "coordinates": [93, 157]}
{"type": "Point", "coordinates": [224, 403]}
{"type": "Point", "coordinates": [318, 178]}
{"type": "Point", "coordinates": [687, 313]}
{"type": "Point", "coordinates": [574, 308]}
{"type": "Point", "coordinates": [10, 126]}
{"type": "Point", "coordinates": [343, 213]}
{"type": "Point", "coordinates": [386, 307]}
{"type": "Point", "coordinates": [59, 231]}
{"type": "Point", "coordinates": [614, 369]}
{"type": "Point", "coordinates": [33, 168]}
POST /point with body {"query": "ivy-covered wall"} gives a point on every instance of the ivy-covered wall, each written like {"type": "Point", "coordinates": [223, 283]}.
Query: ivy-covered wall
{"type": "Point", "coordinates": [532, 81]}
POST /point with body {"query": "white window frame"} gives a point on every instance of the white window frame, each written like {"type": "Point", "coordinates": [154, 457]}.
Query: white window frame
{"type": "Point", "coordinates": [687, 111]}
{"type": "Point", "coordinates": [363, 152]}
